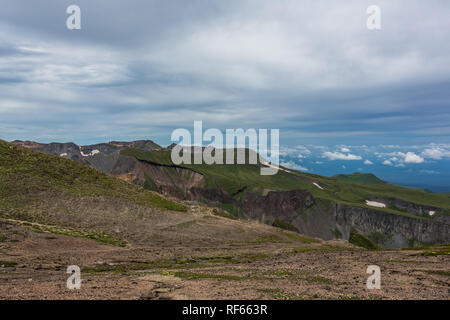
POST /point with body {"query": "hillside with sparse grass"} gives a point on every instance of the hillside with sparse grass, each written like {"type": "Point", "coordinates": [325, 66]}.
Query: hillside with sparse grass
{"type": "Point", "coordinates": [241, 190]}
{"type": "Point", "coordinates": [360, 178]}
{"type": "Point", "coordinates": [30, 180]}
{"type": "Point", "coordinates": [132, 243]}
{"type": "Point", "coordinates": [41, 187]}
{"type": "Point", "coordinates": [355, 190]}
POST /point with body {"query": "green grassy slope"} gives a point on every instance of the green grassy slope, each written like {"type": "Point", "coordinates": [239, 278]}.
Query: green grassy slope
{"type": "Point", "coordinates": [232, 178]}
{"type": "Point", "coordinates": [27, 176]}
{"type": "Point", "coordinates": [360, 178]}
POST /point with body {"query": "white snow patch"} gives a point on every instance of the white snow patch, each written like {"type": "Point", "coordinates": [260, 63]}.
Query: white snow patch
{"type": "Point", "coordinates": [317, 185]}
{"type": "Point", "coordinates": [431, 213]}
{"type": "Point", "coordinates": [63, 154]}
{"type": "Point", "coordinates": [274, 166]}
{"type": "Point", "coordinates": [277, 167]}
{"type": "Point", "coordinates": [92, 153]}
{"type": "Point", "coordinates": [375, 204]}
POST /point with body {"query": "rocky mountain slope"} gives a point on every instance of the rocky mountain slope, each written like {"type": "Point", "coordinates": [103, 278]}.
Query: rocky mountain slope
{"type": "Point", "coordinates": [330, 208]}
{"type": "Point", "coordinates": [132, 243]}
{"type": "Point", "coordinates": [74, 198]}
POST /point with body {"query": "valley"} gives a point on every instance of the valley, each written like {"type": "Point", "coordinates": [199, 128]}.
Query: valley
{"type": "Point", "coordinates": [150, 230]}
{"type": "Point", "coordinates": [328, 208]}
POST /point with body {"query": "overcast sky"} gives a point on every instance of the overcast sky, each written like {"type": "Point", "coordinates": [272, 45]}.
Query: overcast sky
{"type": "Point", "coordinates": [139, 69]}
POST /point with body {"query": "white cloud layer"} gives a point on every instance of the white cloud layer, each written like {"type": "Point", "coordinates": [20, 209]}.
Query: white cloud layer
{"type": "Point", "coordinates": [293, 165]}
{"type": "Point", "coordinates": [143, 68]}
{"type": "Point", "coordinates": [411, 157]}
{"type": "Point", "coordinates": [436, 153]}
{"type": "Point", "coordinates": [340, 156]}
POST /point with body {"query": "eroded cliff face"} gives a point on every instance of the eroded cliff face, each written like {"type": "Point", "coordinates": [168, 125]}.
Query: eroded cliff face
{"type": "Point", "coordinates": [409, 207]}
{"type": "Point", "coordinates": [213, 196]}
{"type": "Point", "coordinates": [391, 230]}
{"type": "Point", "coordinates": [328, 220]}
{"type": "Point", "coordinates": [295, 209]}
{"type": "Point", "coordinates": [168, 180]}
{"type": "Point", "coordinates": [281, 205]}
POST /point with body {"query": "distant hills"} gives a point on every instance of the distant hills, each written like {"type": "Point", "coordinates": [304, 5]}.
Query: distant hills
{"type": "Point", "coordinates": [360, 178]}
{"type": "Point", "coordinates": [314, 205]}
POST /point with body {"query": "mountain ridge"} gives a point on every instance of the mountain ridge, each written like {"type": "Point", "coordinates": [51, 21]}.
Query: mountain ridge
{"type": "Point", "coordinates": [240, 189]}
{"type": "Point", "coordinates": [360, 178]}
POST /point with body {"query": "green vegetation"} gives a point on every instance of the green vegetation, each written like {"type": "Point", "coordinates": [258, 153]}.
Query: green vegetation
{"type": "Point", "coordinates": [267, 238]}
{"type": "Point", "coordinates": [279, 294]}
{"type": "Point", "coordinates": [433, 253]}
{"type": "Point", "coordinates": [97, 236]}
{"type": "Point", "coordinates": [266, 275]}
{"type": "Point", "coordinates": [149, 184]}
{"type": "Point", "coordinates": [284, 225]}
{"type": "Point", "coordinates": [353, 190]}
{"type": "Point", "coordinates": [336, 233]}
{"type": "Point", "coordinates": [439, 272]}
{"type": "Point", "coordinates": [359, 240]}
{"type": "Point", "coordinates": [27, 176]}
{"type": "Point", "coordinates": [304, 249]}
{"type": "Point", "coordinates": [176, 263]}
{"type": "Point", "coordinates": [394, 207]}
{"type": "Point", "coordinates": [320, 248]}
{"type": "Point", "coordinates": [231, 178]}
{"type": "Point", "coordinates": [435, 250]}
{"type": "Point", "coordinates": [380, 238]}
{"type": "Point", "coordinates": [360, 178]}
{"type": "Point", "coordinates": [411, 242]}
{"type": "Point", "coordinates": [2, 238]}
{"type": "Point", "coordinates": [7, 264]}
{"type": "Point", "coordinates": [432, 247]}
{"type": "Point", "coordinates": [191, 276]}
{"type": "Point", "coordinates": [224, 214]}
{"type": "Point", "coordinates": [349, 296]}
{"type": "Point", "coordinates": [300, 238]}
{"type": "Point", "coordinates": [230, 208]}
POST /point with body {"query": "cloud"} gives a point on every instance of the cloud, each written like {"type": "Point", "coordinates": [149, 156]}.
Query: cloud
{"type": "Point", "coordinates": [436, 153]}
{"type": "Point", "coordinates": [368, 162]}
{"type": "Point", "coordinates": [236, 63]}
{"type": "Point", "coordinates": [293, 165]}
{"type": "Point", "coordinates": [411, 157]}
{"type": "Point", "coordinates": [399, 158]}
{"type": "Point", "coordinates": [429, 171]}
{"type": "Point", "coordinates": [296, 151]}
{"type": "Point", "coordinates": [303, 150]}
{"type": "Point", "coordinates": [340, 156]}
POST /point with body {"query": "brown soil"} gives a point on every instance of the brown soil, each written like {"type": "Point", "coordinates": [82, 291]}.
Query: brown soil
{"type": "Point", "coordinates": [198, 255]}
